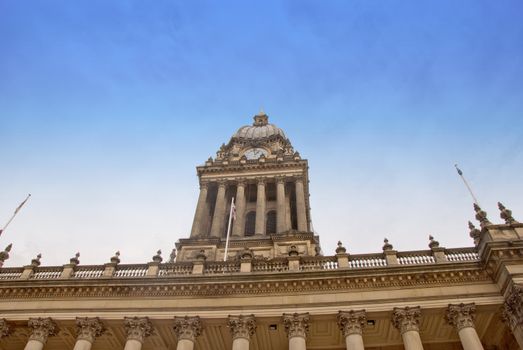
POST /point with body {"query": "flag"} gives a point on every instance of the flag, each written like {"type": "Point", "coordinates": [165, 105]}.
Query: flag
{"type": "Point", "coordinates": [233, 211]}
{"type": "Point", "coordinates": [21, 204]}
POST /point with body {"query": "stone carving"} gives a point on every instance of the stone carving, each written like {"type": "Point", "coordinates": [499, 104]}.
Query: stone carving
{"type": "Point", "coordinates": [433, 243]}
{"type": "Point", "coordinates": [5, 330]}
{"type": "Point", "coordinates": [481, 216]}
{"type": "Point", "coordinates": [75, 259]}
{"type": "Point", "coordinates": [42, 328]}
{"type": "Point", "coordinates": [340, 249]}
{"type": "Point", "coordinates": [513, 307]}
{"type": "Point", "coordinates": [88, 328]}
{"type": "Point", "coordinates": [475, 234]}
{"type": "Point", "coordinates": [461, 315]}
{"type": "Point", "coordinates": [187, 327]}
{"type": "Point", "coordinates": [158, 257]}
{"type": "Point", "coordinates": [506, 214]}
{"type": "Point", "coordinates": [387, 246]}
{"type": "Point", "coordinates": [4, 255]}
{"type": "Point", "coordinates": [242, 326]}
{"type": "Point", "coordinates": [116, 258]}
{"type": "Point", "coordinates": [137, 328]}
{"type": "Point", "coordinates": [36, 261]}
{"type": "Point", "coordinates": [406, 319]}
{"type": "Point", "coordinates": [352, 322]}
{"type": "Point", "coordinates": [245, 254]}
{"type": "Point", "coordinates": [296, 325]}
{"type": "Point", "coordinates": [172, 257]}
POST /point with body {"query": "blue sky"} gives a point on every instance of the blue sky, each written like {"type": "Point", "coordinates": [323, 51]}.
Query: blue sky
{"type": "Point", "coordinates": [106, 107]}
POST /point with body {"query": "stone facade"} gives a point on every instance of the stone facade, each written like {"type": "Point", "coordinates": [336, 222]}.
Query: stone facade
{"type": "Point", "coordinates": [274, 290]}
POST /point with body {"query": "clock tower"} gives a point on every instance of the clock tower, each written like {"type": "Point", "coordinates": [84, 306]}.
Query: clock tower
{"type": "Point", "coordinates": [258, 170]}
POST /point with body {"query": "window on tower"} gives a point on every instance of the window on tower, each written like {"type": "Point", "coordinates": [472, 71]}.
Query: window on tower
{"type": "Point", "coordinates": [250, 223]}
{"type": "Point", "coordinates": [271, 222]}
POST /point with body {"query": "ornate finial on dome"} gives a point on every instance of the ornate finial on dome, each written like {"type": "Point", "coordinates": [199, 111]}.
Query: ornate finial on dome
{"type": "Point", "coordinates": [475, 234]}
{"type": "Point", "coordinates": [481, 216]}
{"type": "Point", "coordinates": [506, 214]}
{"type": "Point", "coordinates": [261, 119]}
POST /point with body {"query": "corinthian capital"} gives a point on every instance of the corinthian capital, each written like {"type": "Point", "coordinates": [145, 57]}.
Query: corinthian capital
{"type": "Point", "coordinates": [242, 326]}
{"type": "Point", "coordinates": [296, 325]}
{"type": "Point", "coordinates": [5, 330]}
{"type": "Point", "coordinates": [461, 315]}
{"type": "Point", "coordinates": [513, 307]}
{"type": "Point", "coordinates": [352, 322]}
{"type": "Point", "coordinates": [89, 328]}
{"type": "Point", "coordinates": [138, 328]}
{"type": "Point", "coordinates": [406, 319]}
{"type": "Point", "coordinates": [42, 328]}
{"type": "Point", "coordinates": [187, 327]}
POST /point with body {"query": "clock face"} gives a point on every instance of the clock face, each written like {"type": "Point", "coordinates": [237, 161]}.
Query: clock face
{"type": "Point", "coordinates": [255, 153]}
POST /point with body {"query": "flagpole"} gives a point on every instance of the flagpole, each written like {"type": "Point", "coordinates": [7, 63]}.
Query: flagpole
{"type": "Point", "coordinates": [228, 230]}
{"type": "Point", "coordinates": [14, 214]}
{"type": "Point", "coordinates": [460, 173]}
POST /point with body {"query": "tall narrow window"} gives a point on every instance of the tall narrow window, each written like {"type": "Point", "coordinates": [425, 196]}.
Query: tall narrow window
{"type": "Point", "coordinates": [271, 222]}
{"type": "Point", "coordinates": [250, 222]}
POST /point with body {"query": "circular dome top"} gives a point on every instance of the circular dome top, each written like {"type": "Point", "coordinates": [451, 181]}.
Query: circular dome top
{"type": "Point", "coordinates": [259, 129]}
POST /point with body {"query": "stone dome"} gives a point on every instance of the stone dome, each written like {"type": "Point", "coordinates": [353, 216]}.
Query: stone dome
{"type": "Point", "coordinates": [260, 129]}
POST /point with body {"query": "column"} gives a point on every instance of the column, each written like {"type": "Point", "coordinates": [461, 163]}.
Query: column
{"type": "Point", "coordinates": [513, 313]}
{"type": "Point", "coordinates": [137, 329]}
{"type": "Point", "coordinates": [301, 212]}
{"type": "Point", "coordinates": [260, 208]}
{"type": "Point", "coordinates": [280, 201]}
{"type": "Point", "coordinates": [201, 210]}
{"type": "Point", "coordinates": [242, 329]}
{"type": "Point", "coordinates": [297, 327]}
{"type": "Point", "coordinates": [219, 211]}
{"type": "Point", "coordinates": [187, 329]}
{"type": "Point", "coordinates": [41, 329]}
{"type": "Point", "coordinates": [351, 324]}
{"type": "Point", "coordinates": [87, 329]}
{"type": "Point", "coordinates": [239, 224]}
{"type": "Point", "coordinates": [407, 321]}
{"type": "Point", "coordinates": [461, 316]}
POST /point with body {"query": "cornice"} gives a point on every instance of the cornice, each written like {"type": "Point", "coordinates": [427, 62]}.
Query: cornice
{"type": "Point", "coordinates": [232, 167]}
{"type": "Point", "coordinates": [252, 284]}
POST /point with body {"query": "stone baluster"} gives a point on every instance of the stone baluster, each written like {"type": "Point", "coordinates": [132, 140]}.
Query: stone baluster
{"type": "Point", "coordinates": [301, 211]}
{"type": "Point", "coordinates": [5, 329]}
{"type": "Point", "coordinates": [242, 329]}
{"type": "Point", "coordinates": [187, 329]}
{"type": "Point", "coordinates": [239, 224]}
{"type": "Point", "coordinates": [41, 329]}
{"type": "Point", "coordinates": [260, 208]}
{"type": "Point", "coordinates": [280, 202]}
{"type": "Point", "coordinates": [513, 313]}
{"type": "Point", "coordinates": [218, 218]}
{"type": "Point", "coordinates": [87, 330]}
{"type": "Point", "coordinates": [407, 321]}
{"type": "Point", "coordinates": [461, 316]}
{"type": "Point", "coordinates": [351, 324]}
{"type": "Point", "coordinates": [297, 327]}
{"type": "Point", "coordinates": [137, 329]}
{"type": "Point", "coordinates": [201, 210]}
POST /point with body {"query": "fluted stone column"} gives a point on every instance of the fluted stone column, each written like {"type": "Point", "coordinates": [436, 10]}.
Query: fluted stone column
{"type": "Point", "coordinates": [137, 329]}
{"type": "Point", "coordinates": [351, 324]}
{"type": "Point", "coordinates": [239, 224]}
{"type": "Point", "coordinates": [297, 327]}
{"type": "Point", "coordinates": [218, 218]}
{"type": "Point", "coordinates": [461, 316]}
{"type": "Point", "coordinates": [242, 329]}
{"type": "Point", "coordinates": [407, 321]}
{"type": "Point", "coordinates": [280, 202]}
{"type": "Point", "coordinates": [41, 329]}
{"type": "Point", "coordinates": [187, 329]}
{"type": "Point", "coordinates": [513, 313]}
{"type": "Point", "coordinates": [300, 205]}
{"type": "Point", "coordinates": [87, 329]}
{"type": "Point", "coordinates": [260, 208]}
{"type": "Point", "coordinates": [201, 209]}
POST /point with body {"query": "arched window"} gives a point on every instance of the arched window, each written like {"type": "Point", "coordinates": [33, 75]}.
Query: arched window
{"type": "Point", "coordinates": [250, 223]}
{"type": "Point", "coordinates": [271, 222]}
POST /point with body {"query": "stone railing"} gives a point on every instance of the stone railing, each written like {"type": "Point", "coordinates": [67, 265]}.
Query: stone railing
{"type": "Point", "coordinates": [289, 264]}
